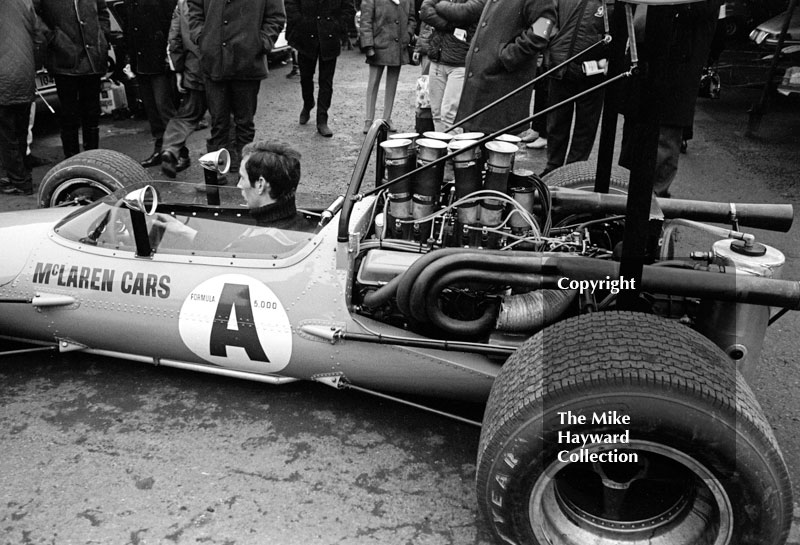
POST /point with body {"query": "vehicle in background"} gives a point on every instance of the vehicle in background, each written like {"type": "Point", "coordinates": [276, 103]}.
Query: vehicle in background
{"type": "Point", "coordinates": [766, 34]}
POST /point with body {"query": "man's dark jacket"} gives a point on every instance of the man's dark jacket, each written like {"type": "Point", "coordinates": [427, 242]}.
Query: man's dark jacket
{"type": "Point", "coordinates": [147, 29]}
{"type": "Point", "coordinates": [443, 46]}
{"type": "Point", "coordinates": [76, 33]}
{"type": "Point", "coordinates": [316, 27]}
{"type": "Point", "coordinates": [235, 36]}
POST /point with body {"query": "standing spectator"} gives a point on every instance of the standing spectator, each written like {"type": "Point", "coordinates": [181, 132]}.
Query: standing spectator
{"type": "Point", "coordinates": [147, 29]}
{"type": "Point", "coordinates": [315, 29]}
{"type": "Point", "coordinates": [17, 87]}
{"type": "Point", "coordinates": [503, 56]}
{"type": "Point", "coordinates": [386, 29]}
{"type": "Point", "coordinates": [581, 25]}
{"type": "Point", "coordinates": [77, 33]}
{"type": "Point", "coordinates": [234, 38]}
{"type": "Point", "coordinates": [184, 60]}
{"type": "Point", "coordinates": [676, 69]}
{"type": "Point", "coordinates": [447, 49]}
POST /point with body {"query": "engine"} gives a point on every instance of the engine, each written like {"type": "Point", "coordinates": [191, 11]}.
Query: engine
{"type": "Point", "coordinates": [473, 249]}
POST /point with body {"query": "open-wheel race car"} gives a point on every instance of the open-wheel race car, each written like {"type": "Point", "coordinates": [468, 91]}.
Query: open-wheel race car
{"type": "Point", "coordinates": [617, 407]}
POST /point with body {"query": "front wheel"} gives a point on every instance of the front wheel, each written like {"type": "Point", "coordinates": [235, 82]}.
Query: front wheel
{"type": "Point", "coordinates": [88, 176]}
{"type": "Point", "coordinates": [620, 428]}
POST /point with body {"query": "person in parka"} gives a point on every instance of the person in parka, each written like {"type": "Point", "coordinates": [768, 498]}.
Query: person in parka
{"type": "Point", "coordinates": [502, 56]}
{"type": "Point", "coordinates": [314, 28]}
{"type": "Point", "coordinates": [146, 29]}
{"type": "Point", "coordinates": [77, 36]}
{"type": "Point", "coordinates": [18, 37]}
{"type": "Point", "coordinates": [385, 30]}
{"type": "Point", "coordinates": [234, 38]}
{"type": "Point", "coordinates": [447, 49]}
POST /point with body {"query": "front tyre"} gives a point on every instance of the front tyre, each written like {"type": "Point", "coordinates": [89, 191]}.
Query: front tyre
{"type": "Point", "coordinates": [708, 470]}
{"type": "Point", "coordinates": [89, 176]}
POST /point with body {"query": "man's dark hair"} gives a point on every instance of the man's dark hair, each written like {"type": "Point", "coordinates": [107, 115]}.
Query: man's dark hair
{"type": "Point", "coordinates": [278, 163]}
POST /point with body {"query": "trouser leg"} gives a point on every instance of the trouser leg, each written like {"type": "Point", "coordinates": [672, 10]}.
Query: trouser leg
{"type": "Point", "coordinates": [437, 81]}
{"type": "Point", "coordinates": [67, 90]}
{"type": "Point", "coordinates": [307, 66]}
{"type": "Point", "coordinates": [452, 96]}
{"type": "Point", "coordinates": [245, 101]}
{"type": "Point", "coordinates": [13, 132]}
{"type": "Point", "coordinates": [559, 123]}
{"type": "Point", "coordinates": [218, 98]}
{"type": "Point", "coordinates": [587, 117]}
{"type": "Point", "coordinates": [89, 99]}
{"type": "Point", "coordinates": [190, 112]}
{"type": "Point", "coordinates": [327, 68]}
{"type": "Point", "coordinates": [158, 96]}
{"type": "Point", "coordinates": [540, 102]}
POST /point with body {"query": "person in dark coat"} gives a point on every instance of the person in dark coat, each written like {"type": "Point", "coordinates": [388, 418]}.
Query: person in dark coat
{"type": "Point", "coordinates": [18, 32]}
{"type": "Point", "coordinates": [580, 24]}
{"type": "Point", "coordinates": [503, 56]}
{"type": "Point", "coordinates": [184, 60]}
{"type": "Point", "coordinates": [386, 29]}
{"type": "Point", "coordinates": [77, 34]}
{"type": "Point", "coordinates": [146, 29]}
{"type": "Point", "coordinates": [315, 29]}
{"type": "Point", "coordinates": [234, 38]}
{"type": "Point", "coordinates": [447, 49]}
{"type": "Point", "coordinates": [676, 69]}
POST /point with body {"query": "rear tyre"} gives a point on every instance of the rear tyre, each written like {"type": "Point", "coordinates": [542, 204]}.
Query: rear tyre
{"type": "Point", "coordinates": [89, 176]}
{"type": "Point", "coordinates": [709, 470]}
{"type": "Point", "coordinates": [581, 175]}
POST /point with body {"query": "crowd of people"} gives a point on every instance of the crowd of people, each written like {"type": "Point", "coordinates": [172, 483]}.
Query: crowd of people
{"type": "Point", "coordinates": [190, 57]}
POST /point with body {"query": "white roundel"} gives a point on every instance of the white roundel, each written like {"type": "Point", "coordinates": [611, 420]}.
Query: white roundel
{"type": "Point", "coordinates": [237, 322]}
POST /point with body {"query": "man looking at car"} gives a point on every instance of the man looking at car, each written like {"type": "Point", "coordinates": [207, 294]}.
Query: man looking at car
{"type": "Point", "coordinates": [234, 38]}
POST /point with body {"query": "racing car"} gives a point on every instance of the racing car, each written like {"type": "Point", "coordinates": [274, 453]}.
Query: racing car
{"type": "Point", "coordinates": [617, 409]}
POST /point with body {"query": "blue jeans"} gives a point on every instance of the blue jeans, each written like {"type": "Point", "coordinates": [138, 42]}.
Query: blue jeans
{"type": "Point", "coordinates": [444, 87]}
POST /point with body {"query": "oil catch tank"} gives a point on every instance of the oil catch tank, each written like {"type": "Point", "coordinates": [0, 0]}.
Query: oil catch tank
{"type": "Point", "coordinates": [739, 328]}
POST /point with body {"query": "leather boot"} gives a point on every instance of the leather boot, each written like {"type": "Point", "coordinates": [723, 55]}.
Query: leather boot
{"type": "Point", "coordinates": [322, 125]}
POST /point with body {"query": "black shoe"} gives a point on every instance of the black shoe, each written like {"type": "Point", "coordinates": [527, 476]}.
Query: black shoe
{"type": "Point", "coordinates": [182, 164]}
{"type": "Point", "coordinates": [305, 115]}
{"type": "Point", "coordinates": [169, 164]}
{"type": "Point", "coordinates": [13, 189]}
{"type": "Point", "coordinates": [323, 129]}
{"type": "Point", "coordinates": [295, 72]}
{"type": "Point", "coordinates": [153, 160]}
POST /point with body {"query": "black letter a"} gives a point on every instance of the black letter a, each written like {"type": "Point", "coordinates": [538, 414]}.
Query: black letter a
{"type": "Point", "coordinates": [235, 296]}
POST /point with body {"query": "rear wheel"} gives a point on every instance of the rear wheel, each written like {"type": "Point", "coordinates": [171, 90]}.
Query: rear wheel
{"type": "Point", "coordinates": [89, 176]}
{"type": "Point", "coordinates": [696, 461]}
